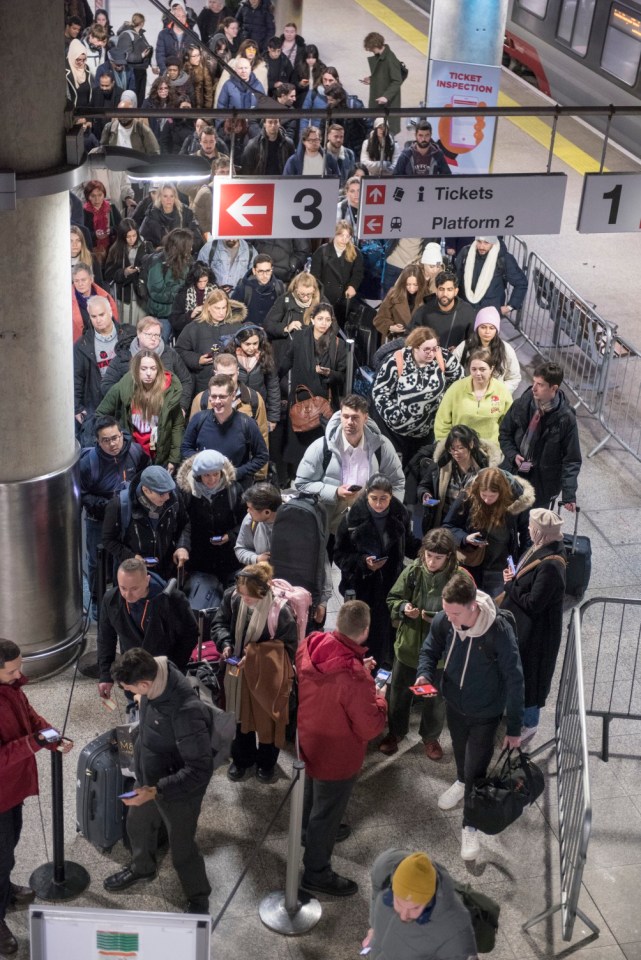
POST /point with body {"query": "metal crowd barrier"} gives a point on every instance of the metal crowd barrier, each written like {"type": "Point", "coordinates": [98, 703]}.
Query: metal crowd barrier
{"type": "Point", "coordinates": [621, 405]}
{"type": "Point", "coordinates": [562, 327]}
{"type": "Point", "coordinates": [573, 785]}
{"type": "Point", "coordinates": [611, 637]}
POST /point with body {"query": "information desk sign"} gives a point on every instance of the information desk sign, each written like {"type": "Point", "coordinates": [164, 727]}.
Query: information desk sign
{"type": "Point", "coordinates": [283, 207]}
{"type": "Point", "coordinates": [610, 203]}
{"type": "Point", "coordinates": [494, 204]}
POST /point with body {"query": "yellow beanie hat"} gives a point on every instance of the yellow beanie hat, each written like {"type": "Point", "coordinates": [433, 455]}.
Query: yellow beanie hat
{"type": "Point", "coordinates": [415, 879]}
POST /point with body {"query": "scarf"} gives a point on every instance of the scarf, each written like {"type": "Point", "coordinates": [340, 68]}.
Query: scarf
{"type": "Point", "coordinates": [475, 294]}
{"type": "Point", "coordinates": [531, 435]}
{"type": "Point", "coordinates": [247, 363]}
{"type": "Point", "coordinates": [251, 622]}
{"type": "Point", "coordinates": [80, 74]}
{"type": "Point", "coordinates": [196, 297]}
{"type": "Point", "coordinates": [201, 490]}
{"type": "Point", "coordinates": [100, 222]}
{"type": "Point", "coordinates": [159, 685]}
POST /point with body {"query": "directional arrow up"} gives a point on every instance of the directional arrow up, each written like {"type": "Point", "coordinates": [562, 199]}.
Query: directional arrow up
{"type": "Point", "coordinates": [240, 211]}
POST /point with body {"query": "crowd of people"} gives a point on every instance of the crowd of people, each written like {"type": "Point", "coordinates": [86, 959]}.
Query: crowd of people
{"type": "Point", "coordinates": [196, 364]}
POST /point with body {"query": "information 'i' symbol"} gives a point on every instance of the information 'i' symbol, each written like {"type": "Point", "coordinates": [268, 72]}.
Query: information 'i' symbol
{"type": "Point", "coordinates": [421, 192]}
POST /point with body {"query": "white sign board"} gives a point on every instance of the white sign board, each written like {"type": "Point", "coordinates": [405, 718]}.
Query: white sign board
{"type": "Point", "coordinates": [463, 206]}
{"type": "Point", "coordinates": [283, 207]}
{"type": "Point", "coordinates": [610, 203]}
{"type": "Point", "coordinates": [466, 141]}
{"type": "Point", "coordinates": [68, 933]}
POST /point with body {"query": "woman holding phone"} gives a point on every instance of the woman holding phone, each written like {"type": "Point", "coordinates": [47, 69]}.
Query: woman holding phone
{"type": "Point", "coordinates": [489, 521]}
{"type": "Point", "coordinates": [413, 601]}
{"type": "Point", "coordinates": [371, 542]}
{"type": "Point", "coordinates": [258, 681]}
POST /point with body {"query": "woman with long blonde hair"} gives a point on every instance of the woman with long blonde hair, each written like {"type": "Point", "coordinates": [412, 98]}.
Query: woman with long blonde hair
{"type": "Point", "coordinates": [80, 252]}
{"type": "Point", "coordinates": [489, 521]}
{"type": "Point", "coordinates": [146, 402]}
{"type": "Point", "coordinates": [338, 266]}
{"type": "Point", "coordinates": [199, 341]}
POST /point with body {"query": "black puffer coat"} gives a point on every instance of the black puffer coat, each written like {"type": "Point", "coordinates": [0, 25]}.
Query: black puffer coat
{"type": "Point", "coordinates": [173, 749]}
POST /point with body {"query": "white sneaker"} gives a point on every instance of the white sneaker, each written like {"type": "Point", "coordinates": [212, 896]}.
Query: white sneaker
{"type": "Point", "coordinates": [470, 846]}
{"type": "Point", "coordinates": [452, 796]}
{"type": "Point", "coordinates": [528, 733]}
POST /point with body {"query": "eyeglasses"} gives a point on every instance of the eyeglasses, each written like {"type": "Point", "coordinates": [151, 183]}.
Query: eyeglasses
{"type": "Point", "coordinates": [313, 140]}
{"type": "Point", "coordinates": [429, 349]}
{"type": "Point", "coordinates": [107, 441]}
{"type": "Point", "coordinates": [268, 270]}
{"type": "Point", "coordinates": [151, 336]}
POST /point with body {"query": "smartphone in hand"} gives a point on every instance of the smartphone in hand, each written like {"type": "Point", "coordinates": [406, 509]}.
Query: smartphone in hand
{"type": "Point", "coordinates": [424, 690]}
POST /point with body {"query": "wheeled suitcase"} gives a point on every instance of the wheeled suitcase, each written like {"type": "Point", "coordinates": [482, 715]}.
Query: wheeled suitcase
{"type": "Point", "coordinates": [100, 814]}
{"type": "Point", "coordinates": [579, 557]}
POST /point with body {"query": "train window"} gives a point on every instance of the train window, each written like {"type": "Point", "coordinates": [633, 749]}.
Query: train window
{"type": "Point", "coordinates": [575, 24]}
{"type": "Point", "coordinates": [622, 47]}
{"type": "Point", "coordinates": [538, 7]}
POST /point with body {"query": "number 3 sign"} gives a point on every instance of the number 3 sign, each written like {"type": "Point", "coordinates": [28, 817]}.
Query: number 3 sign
{"type": "Point", "coordinates": [282, 208]}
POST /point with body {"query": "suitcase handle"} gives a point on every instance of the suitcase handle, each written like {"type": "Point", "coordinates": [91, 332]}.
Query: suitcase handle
{"type": "Point", "coordinates": [577, 511]}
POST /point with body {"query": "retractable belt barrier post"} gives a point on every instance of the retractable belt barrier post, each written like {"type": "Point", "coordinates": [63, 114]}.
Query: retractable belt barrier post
{"type": "Point", "coordinates": [290, 911]}
{"type": "Point", "coordinates": [573, 785]}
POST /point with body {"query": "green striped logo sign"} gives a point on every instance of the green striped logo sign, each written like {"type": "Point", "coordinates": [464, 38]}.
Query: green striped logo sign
{"type": "Point", "coordinates": [113, 943]}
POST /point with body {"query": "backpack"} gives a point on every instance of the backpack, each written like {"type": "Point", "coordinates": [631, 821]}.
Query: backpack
{"type": "Point", "coordinates": [484, 914]}
{"type": "Point", "coordinates": [404, 71]}
{"type": "Point", "coordinates": [125, 507]}
{"type": "Point", "coordinates": [90, 455]}
{"type": "Point", "coordinates": [223, 725]}
{"type": "Point", "coordinates": [141, 283]}
{"type": "Point", "coordinates": [299, 601]}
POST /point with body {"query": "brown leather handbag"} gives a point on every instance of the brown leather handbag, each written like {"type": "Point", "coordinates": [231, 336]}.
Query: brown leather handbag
{"type": "Point", "coordinates": [306, 414]}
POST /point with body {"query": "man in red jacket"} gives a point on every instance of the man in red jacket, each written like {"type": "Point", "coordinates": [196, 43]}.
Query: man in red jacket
{"type": "Point", "coordinates": [20, 740]}
{"type": "Point", "coordinates": [339, 710]}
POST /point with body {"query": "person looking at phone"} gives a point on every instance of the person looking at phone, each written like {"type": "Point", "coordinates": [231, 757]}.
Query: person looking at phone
{"type": "Point", "coordinates": [482, 679]}
{"type": "Point", "coordinates": [540, 438]}
{"type": "Point", "coordinates": [352, 450]}
{"type": "Point", "coordinates": [371, 543]}
{"type": "Point", "coordinates": [173, 763]}
{"type": "Point", "coordinates": [340, 710]}
{"type": "Point", "coordinates": [489, 521]}
{"type": "Point", "coordinates": [142, 610]}
{"type": "Point", "coordinates": [21, 738]}
{"type": "Point", "coordinates": [413, 601]}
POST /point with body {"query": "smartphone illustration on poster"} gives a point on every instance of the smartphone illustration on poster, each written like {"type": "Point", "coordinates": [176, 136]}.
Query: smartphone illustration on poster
{"type": "Point", "coordinates": [462, 135]}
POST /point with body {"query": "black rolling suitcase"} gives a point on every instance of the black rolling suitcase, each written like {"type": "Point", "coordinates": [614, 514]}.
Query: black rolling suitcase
{"type": "Point", "coordinates": [579, 557]}
{"type": "Point", "coordinates": [100, 815]}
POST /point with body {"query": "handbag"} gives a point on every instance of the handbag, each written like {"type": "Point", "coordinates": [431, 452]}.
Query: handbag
{"type": "Point", "coordinates": [471, 556]}
{"type": "Point", "coordinates": [499, 799]}
{"type": "Point", "coordinates": [306, 414]}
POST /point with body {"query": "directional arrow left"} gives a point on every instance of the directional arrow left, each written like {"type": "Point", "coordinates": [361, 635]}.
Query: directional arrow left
{"type": "Point", "coordinates": [239, 209]}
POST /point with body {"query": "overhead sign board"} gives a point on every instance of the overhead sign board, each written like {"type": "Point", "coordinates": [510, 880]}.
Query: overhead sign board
{"type": "Point", "coordinates": [285, 207]}
{"type": "Point", "coordinates": [527, 203]}
{"type": "Point", "coordinates": [610, 203]}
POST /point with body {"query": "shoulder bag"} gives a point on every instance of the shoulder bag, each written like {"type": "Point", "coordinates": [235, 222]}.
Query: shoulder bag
{"type": "Point", "coordinates": [306, 414]}
{"type": "Point", "coordinates": [499, 799]}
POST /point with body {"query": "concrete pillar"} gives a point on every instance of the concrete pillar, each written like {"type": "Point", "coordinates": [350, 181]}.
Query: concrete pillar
{"type": "Point", "coordinates": [40, 576]}
{"type": "Point", "coordinates": [289, 11]}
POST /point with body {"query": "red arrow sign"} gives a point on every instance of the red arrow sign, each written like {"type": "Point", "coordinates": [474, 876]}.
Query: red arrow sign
{"type": "Point", "coordinates": [374, 194]}
{"type": "Point", "coordinates": [373, 225]}
{"type": "Point", "coordinates": [246, 209]}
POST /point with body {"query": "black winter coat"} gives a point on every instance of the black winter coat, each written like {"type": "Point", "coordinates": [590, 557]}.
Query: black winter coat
{"type": "Point", "coordinates": [114, 272]}
{"type": "Point", "coordinates": [171, 531]}
{"type": "Point", "coordinates": [507, 273]}
{"type": "Point", "coordinates": [87, 382]}
{"type": "Point", "coordinates": [97, 487]}
{"type": "Point", "coordinates": [557, 452]}
{"type": "Point", "coordinates": [259, 298]}
{"type": "Point", "coordinates": [535, 597]}
{"type": "Point", "coordinates": [254, 157]}
{"type": "Point", "coordinates": [300, 361]}
{"type": "Point", "coordinates": [256, 23]}
{"type": "Point", "coordinates": [157, 225]}
{"type": "Point", "coordinates": [221, 515]}
{"type": "Point", "coordinates": [265, 384]}
{"type": "Point", "coordinates": [173, 750]}
{"type": "Point", "coordinates": [170, 629]}
{"type": "Point", "coordinates": [336, 273]}
{"type": "Point", "coordinates": [358, 537]}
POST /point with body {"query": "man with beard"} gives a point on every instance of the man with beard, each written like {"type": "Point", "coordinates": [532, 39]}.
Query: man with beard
{"type": "Point", "coordinates": [133, 133]}
{"type": "Point", "coordinates": [451, 318]}
{"type": "Point", "coordinates": [422, 158]}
